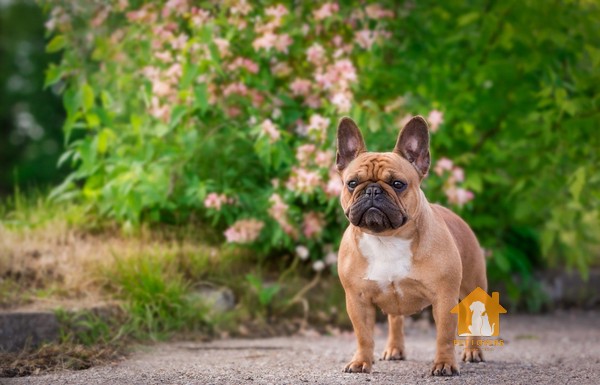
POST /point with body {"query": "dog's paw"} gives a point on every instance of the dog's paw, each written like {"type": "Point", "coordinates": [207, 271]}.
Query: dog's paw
{"type": "Point", "coordinates": [392, 353]}
{"type": "Point", "coordinates": [445, 369]}
{"type": "Point", "coordinates": [472, 355]}
{"type": "Point", "coordinates": [358, 367]}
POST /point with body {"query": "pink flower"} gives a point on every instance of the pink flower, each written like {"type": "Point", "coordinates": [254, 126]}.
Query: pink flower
{"type": "Point", "coordinates": [279, 208]}
{"type": "Point", "coordinates": [161, 88]}
{"type": "Point", "coordinates": [375, 11]}
{"type": "Point", "coordinates": [216, 201]}
{"type": "Point", "coordinates": [302, 252]}
{"type": "Point", "coordinates": [342, 102]}
{"type": "Point", "coordinates": [279, 212]}
{"type": "Point", "coordinates": [223, 46]}
{"type": "Point", "coordinates": [241, 7]}
{"type": "Point", "coordinates": [304, 153]}
{"type": "Point", "coordinates": [199, 16]}
{"type": "Point", "coordinates": [241, 62]}
{"type": "Point", "coordinates": [301, 128]}
{"type": "Point", "coordinates": [282, 42]}
{"type": "Point", "coordinates": [346, 70]}
{"type": "Point", "coordinates": [265, 41]}
{"type": "Point", "coordinates": [458, 174]}
{"type": "Point", "coordinates": [318, 266]}
{"type": "Point", "coordinates": [244, 231]}
{"type": "Point", "coordinates": [435, 118]}
{"type": "Point", "coordinates": [174, 72]}
{"type": "Point", "coordinates": [233, 111]}
{"type": "Point", "coordinates": [324, 159]}
{"type": "Point", "coordinates": [337, 76]}
{"type": "Point", "coordinates": [459, 196]}
{"type": "Point", "coordinates": [313, 224]}
{"type": "Point", "coordinates": [179, 7]}
{"type": "Point", "coordinates": [334, 185]}
{"type": "Point", "coordinates": [158, 110]}
{"type": "Point", "coordinates": [312, 101]}
{"type": "Point", "coordinates": [303, 181]}
{"type": "Point", "coordinates": [277, 11]}
{"type": "Point", "coordinates": [100, 17]}
{"type": "Point", "coordinates": [331, 257]}
{"type": "Point", "coordinates": [235, 88]}
{"type": "Point", "coordinates": [280, 68]}
{"type": "Point", "coordinates": [257, 97]}
{"type": "Point", "coordinates": [444, 164]}
{"type": "Point", "coordinates": [300, 87]}
{"type": "Point", "coordinates": [365, 38]}
{"type": "Point", "coordinates": [315, 54]}
{"type": "Point", "coordinates": [164, 56]}
{"type": "Point", "coordinates": [318, 125]}
{"type": "Point", "coordinates": [326, 10]}
{"type": "Point", "coordinates": [179, 42]}
{"type": "Point", "coordinates": [269, 129]}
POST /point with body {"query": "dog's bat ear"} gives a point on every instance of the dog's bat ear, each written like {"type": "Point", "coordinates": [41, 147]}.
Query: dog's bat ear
{"type": "Point", "coordinates": [413, 144]}
{"type": "Point", "coordinates": [350, 143]}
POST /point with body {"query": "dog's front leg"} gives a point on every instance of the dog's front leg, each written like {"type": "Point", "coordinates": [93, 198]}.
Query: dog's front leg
{"type": "Point", "coordinates": [362, 315]}
{"type": "Point", "coordinates": [445, 324]}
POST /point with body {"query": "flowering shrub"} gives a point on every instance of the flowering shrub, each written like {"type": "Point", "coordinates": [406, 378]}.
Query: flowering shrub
{"type": "Point", "coordinates": [228, 109]}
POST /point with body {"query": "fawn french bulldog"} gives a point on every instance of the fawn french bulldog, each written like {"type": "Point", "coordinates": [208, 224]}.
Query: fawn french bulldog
{"type": "Point", "coordinates": [401, 253]}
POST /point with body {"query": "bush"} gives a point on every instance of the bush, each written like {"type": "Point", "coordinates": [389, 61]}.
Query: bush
{"type": "Point", "coordinates": [227, 112]}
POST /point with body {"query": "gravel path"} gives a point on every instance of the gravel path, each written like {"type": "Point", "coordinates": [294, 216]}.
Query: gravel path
{"type": "Point", "coordinates": [552, 349]}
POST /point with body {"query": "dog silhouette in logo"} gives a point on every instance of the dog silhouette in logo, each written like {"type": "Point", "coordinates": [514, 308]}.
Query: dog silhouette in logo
{"type": "Point", "coordinates": [480, 324]}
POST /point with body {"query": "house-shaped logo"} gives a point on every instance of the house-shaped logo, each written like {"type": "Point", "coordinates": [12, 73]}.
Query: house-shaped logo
{"type": "Point", "coordinates": [479, 314]}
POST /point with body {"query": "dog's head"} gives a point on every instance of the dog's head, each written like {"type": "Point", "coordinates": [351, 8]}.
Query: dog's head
{"type": "Point", "coordinates": [382, 189]}
{"type": "Point", "coordinates": [477, 307]}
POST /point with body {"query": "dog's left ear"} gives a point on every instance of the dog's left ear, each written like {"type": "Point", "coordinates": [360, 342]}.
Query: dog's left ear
{"type": "Point", "coordinates": [413, 144]}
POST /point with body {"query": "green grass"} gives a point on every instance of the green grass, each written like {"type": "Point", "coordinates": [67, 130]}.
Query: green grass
{"type": "Point", "coordinates": [52, 251]}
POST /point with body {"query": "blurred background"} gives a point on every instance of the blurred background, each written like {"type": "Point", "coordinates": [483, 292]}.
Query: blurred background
{"type": "Point", "coordinates": [160, 153]}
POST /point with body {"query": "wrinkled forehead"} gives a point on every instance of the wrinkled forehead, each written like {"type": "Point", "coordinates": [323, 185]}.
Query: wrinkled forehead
{"type": "Point", "coordinates": [380, 166]}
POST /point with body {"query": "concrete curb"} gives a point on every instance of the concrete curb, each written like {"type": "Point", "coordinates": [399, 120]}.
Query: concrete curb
{"type": "Point", "coordinates": [21, 329]}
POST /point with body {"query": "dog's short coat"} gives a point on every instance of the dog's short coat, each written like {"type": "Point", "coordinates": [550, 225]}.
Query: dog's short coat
{"type": "Point", "coordinates": [400, 253]}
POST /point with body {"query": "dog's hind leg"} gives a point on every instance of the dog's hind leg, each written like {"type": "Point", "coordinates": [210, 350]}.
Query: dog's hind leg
{"type": "Point", "coordinates": [394, 349]}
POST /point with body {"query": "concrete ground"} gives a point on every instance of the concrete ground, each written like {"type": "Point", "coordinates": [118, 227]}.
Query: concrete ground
{"type": "Point", "coordinates": [550, 349]}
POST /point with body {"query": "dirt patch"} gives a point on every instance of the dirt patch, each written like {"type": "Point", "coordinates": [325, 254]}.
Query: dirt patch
{"type": "Point", "coordinates": [50, 358]}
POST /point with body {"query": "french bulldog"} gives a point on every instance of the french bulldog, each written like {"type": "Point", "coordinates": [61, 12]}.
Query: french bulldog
{"type": "Point", "coordinates": [401, 253]}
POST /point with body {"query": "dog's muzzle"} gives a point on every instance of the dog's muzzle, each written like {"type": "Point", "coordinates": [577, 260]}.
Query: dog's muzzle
{"type": "Point", "coordinates": [375, 211]}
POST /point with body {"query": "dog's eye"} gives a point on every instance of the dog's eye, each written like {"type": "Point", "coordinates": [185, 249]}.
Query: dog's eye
{"type": "Point", "coordinates": [398, 185]}
{"type": "Point", "coordinates": [352, 184]}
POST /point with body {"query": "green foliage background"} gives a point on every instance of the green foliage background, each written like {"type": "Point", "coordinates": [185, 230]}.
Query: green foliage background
{"type": "Point", "coordinates": [518, 83]}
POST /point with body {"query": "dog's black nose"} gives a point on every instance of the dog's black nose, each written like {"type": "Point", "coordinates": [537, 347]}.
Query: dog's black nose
{"type": "Point", "coordinates": [373, 190]}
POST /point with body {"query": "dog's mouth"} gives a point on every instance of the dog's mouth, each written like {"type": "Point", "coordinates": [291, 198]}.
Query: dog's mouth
{"type": "Point", "coordinates": [376, 216]}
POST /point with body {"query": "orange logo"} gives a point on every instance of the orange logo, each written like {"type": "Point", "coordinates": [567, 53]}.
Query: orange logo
{"type": "Point", "coordinates": [479, 314]}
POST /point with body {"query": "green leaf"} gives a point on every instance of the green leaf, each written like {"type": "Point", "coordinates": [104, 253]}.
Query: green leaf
{"type": "Point", "coordinates": [176, 115]}
{"type": "Point", "coordinates": [468, 18]}
{"type": "Point", "coordinates": [201, 97]}
{"type": "Point", "coordinates": [577, 183]}
{"type": "Point", "coordinates": [54, 74]}
{"type": "Point", "coordinates": [104, 138]}
{"type": "Point", "coordinates": [56, 44]}
{"type": "Point", "coordinates": [92, 120]}
{"type": "Point", "coordinates": [88, 96]}
{"type": "Point", "coordinates": [189, 74]}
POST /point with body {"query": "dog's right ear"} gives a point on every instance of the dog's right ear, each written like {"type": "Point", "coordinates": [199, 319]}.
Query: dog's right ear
{"type": "Point", "coordinates": [350, 143]}
{"type": "Point", "coordinates": [413, 144]}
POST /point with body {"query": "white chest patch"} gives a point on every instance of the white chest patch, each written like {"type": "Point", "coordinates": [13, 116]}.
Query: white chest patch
{"type": "Point", "coordinates": [389, 258]}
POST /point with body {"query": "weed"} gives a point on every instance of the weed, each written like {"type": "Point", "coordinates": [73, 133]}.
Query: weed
{"type": "Point", "coordinates": [155, 294]}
